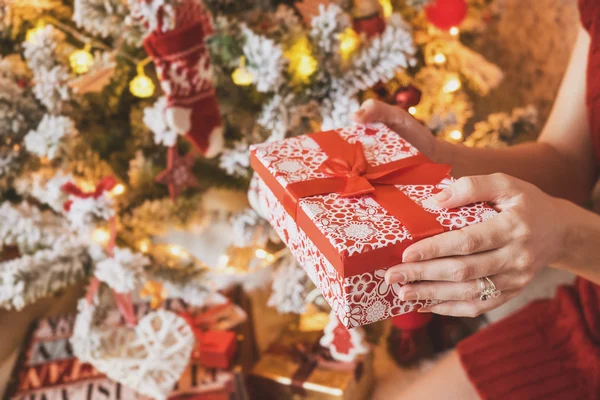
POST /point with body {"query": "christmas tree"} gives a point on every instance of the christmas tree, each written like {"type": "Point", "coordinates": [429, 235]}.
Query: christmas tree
{"type": "Point", "coordinates": [117, 117]}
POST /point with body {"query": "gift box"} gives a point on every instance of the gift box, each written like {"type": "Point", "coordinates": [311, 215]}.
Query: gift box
{"type": "Point", "coordinates": [296, 367]}
{"type": "Point", "coordinates": [48, 369]}
{"type": "Point", "coordinates": [347, 203]}
{"type": "Point", "coordinates": [217, 349]}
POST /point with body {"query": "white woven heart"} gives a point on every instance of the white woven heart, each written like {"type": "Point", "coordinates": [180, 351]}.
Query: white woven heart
{"type": "Point", "coordinates": [149, 358]}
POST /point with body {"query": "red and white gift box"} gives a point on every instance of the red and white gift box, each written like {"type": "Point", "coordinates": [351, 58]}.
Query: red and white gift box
{"type": "Point", "coordinates": [347, 203]}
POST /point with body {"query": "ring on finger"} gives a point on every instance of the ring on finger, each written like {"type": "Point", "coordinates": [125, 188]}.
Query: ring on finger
{"type": "Point", "coordinates": [488, 289]}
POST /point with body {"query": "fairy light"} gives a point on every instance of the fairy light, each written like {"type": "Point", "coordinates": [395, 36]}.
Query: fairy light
{"type": "Point", "coordinates": [439, 58]}
{"type": "Point", "coordinates": [302, 63]}
{"type": "Point", "coordinates": [452, 85]}
{"type": "Point", "coordinates": [224, 261]}
{"type": "Point", "coordinates": [118, 190]}
{"type": "Point", "coordinates": [81, 60]}
{"type": "Point", "coordinates": [142, 86]}
{"type": "Point", "coordinates": [16, 147]}
{"type": "Point", "coordinates": [349, 41]}
{"type": "Point", "coordinates": [454, 31]}
{"type": "Point", "coordinates": [241, 76]}
{"type": "Point", "coordinates": [101, 235]}
{"type": "Point", "coordinates": [386, 5]}
{"type": "Point", "coordinates": [144, 246]}
{"type": "Point", "coordinates": [412, 110]}
{"type": "Point", "coordinates": [32, 33]}
{"type": "Point", "coordinates": [455, 135]}
{"type": "Point", "coordinates": [176, 250]}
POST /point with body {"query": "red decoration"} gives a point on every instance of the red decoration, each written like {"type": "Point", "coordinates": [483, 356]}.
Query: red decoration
{"type": "Point", "coordinates": [184, 68]}
{"type": "Point", "coordinates": [445, 14]}
{"type": "Point", "coordinates": [178, 174]}
{"type": "Point", "coordinates": [408, 96]}
{"type": "Point", "coordinates": [106, 184]}
{"type": "Point", "coordinates": [217, 349]}
{"type": "Point", "coordinates": [370, 26]}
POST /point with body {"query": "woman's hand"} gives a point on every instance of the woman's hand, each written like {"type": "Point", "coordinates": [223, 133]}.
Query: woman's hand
{"type": "Point", "coordinates": [528, 233]}
{"type": "Point", "coordinates": [402, 123]}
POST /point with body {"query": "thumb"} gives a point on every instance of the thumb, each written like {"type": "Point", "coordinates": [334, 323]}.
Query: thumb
{"type": "Point", "coordinates": [397, 120]}
{"type": "Point", "coordinates": [473, 189]}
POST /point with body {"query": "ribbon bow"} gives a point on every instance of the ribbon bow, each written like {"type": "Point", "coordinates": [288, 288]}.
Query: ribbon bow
{"type": "Point", "coordinates": [106, 184]}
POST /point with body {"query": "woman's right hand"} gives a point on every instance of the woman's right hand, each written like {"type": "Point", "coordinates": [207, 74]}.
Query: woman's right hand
{"type": "Point", "coordinates": [403, 123]}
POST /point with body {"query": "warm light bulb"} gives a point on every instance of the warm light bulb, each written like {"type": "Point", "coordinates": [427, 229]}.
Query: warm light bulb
{"type": "Point", "coordinates": [118, 190]}
{"type": "Point", "coordinates": [101, 235]}
{"type": "Point", "coordinates": [455, 135]}
{"type": "Point", "coordinates": [175, 250]}
{"type": "Point", "coordinates": [307, 65]}
{"type": "Point", "coordinates": [386, 5]}
{"type": "Point", "coordinates": [452, 85]}
{"type": "Point", "coordinates": [241, 76]}
{"type": "Point", "coordinates": [412, 110]}
{"type": "Point", "coordinates": [223, 261]}
{"type": "Point", "coordinates": [349, 41]}
{"type": "Point", "coordinates": [31, 33]}
{"type": "Point", "coordinates": [260, 253]}
{"type": "Point", "coordinates": [302, 63]}
{"type": "Point", "coordinates": [81, 60]}
{"type": "Point", "coordinates": [439, 58]}
{"type": "Point", "coordinates": [454, 31]}
{"type": "Point", "coordinates": [144, 246]}
{"type": "Point", "coordinates": [141, 86]}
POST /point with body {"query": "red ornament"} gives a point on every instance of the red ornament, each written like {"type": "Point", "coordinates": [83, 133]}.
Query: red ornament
{"type": "Point", "coordinates": [370, 26]}
{"type": "Point", "coordinates": [408, 96]}
{"type": "Point", "coordinates": [178, 174]}
{"type": "Point", "coordinates": [445, 14]}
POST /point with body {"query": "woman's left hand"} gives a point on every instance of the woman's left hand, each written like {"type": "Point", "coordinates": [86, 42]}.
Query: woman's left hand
{"type": "Point", "coordinates": [527, 234]}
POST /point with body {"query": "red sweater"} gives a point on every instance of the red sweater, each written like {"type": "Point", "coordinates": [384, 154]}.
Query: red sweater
{"type": "Point", "coordinates": [551, 349]}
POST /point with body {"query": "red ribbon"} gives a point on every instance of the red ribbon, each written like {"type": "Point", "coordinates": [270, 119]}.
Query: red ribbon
{"type": "Point", "coordinates": [350, 175]}
{"type": "Point", "coordinates": [107, 183]}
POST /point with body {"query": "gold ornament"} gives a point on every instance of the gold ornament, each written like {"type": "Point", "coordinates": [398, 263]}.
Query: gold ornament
{"type": "Point", "coordinates": [81, 60]}
{"type": "Point", "coordinates": [142, 86]}
{"type": "Point", "coordinates": [241, 76]}
{"type": "Point", "coordinates": [156, 292]}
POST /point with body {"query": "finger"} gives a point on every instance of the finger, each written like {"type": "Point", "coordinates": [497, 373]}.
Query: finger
{"type": "Point", "coordinates": [450, 269]}
{"type": "Point", "coordinates": [394, 117]}
{"type": "Point", "coordinates": [488, 235]}
{"type": "Point", "coordinates": [472, 308]}
{"type": "Point", "coordinates": [460, 291]}
{"type": "Point", "coordinates": [472, 189]}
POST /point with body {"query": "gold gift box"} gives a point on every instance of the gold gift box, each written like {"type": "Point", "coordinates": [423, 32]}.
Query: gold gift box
{"type": "Point", "coordinates": [274, 377]}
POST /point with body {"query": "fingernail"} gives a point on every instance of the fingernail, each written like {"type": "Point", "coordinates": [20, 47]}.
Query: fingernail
{"type": "Point", "coordinates": [442, 196]}
{"type": "Point", "coordinates": [409, 295]}
{"type": "Point", "coordinates": [411, 256]}
{"type": "Point", "coordinates": [396, 277]}
{"type": "Point", "coordinates": [424, 310]}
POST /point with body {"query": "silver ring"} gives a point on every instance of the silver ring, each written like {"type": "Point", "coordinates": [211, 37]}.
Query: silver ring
{"type": "Point", "coordinates": [489, 290]}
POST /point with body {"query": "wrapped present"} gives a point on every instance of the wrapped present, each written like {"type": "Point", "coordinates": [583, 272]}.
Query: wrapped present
{"type": "Point", "coordinates": [297, 367]}
{"type": "Point", "coordinates": [347, 203]}
{"type": "Point", "coordinates": [217, 349]}
{"type": "Point", "coordinates": [48, 369]}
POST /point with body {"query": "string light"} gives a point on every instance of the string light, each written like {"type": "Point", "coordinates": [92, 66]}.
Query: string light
{"type": "Point", "coordinates": [81, 60]}
{"type": "Point", "coordinates": [412, 110]}
{"type": "Point", "coordinates": [32, 33]}
{"type": "Point", "coordinates": [241, 76]}
{"type": "Point", "coordinates": [386, 5]}
{"type": "Point", "coordinates": [452, 85]}
{"type": "Point", "coordinates": [118, 190]}
{"type": "Point", "coordinates": [144, 246]}
{"type": "Point", "coordinates": [454, 31]}
{"type": "Point", "coordinates": [455, 135]}
{"type": "Point", "coordinates": [141, 86]}
{"type": "Point", "coordinates": [439, 58]}
{"type": "Point", "coordinates": [101, 235]}
{"type": "Point", "coordinates": [176, 250]}
{"type": "Point", "coordinates": [349, 41]}
{"type": "Point", "coordinates": [302, 63]}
